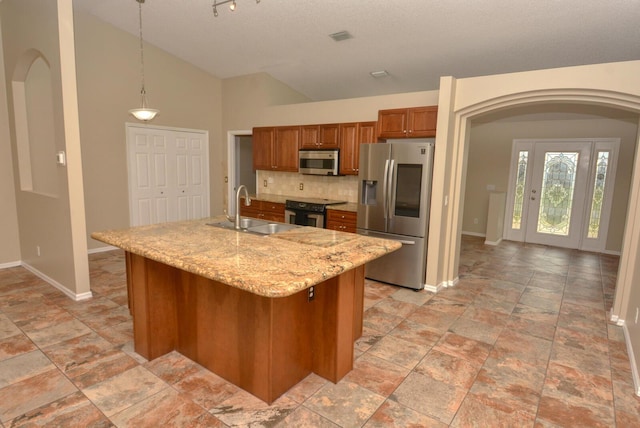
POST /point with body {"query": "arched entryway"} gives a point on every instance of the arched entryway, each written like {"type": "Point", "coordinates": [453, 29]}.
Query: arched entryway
{"type": "Point", "coordinates": [462, 119]}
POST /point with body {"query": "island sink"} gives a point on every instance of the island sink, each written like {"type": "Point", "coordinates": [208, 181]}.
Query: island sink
{"type": "Point", "coordinates": [259, 227]}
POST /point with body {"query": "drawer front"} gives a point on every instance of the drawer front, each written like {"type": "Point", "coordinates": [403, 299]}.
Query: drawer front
{"type": "Point", "coordinates": [343, 221]}
{"type": "Point", "coordinates": [272, 207]}
{"type": "Point", "coordinates": [342, 216]}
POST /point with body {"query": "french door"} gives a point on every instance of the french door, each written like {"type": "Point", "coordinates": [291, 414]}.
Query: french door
{"type": "Point", "coordinates": [560, 192]}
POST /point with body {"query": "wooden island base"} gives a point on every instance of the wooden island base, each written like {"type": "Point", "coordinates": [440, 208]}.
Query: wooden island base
{"type": "Point", "coordinates": [263, 345]}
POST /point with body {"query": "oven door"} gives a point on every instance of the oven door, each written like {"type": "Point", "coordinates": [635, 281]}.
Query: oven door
{"type": "Point", "coordinates": [304, 218]}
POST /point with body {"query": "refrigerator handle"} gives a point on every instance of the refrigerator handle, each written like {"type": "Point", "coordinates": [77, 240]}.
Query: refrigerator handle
{"type": "Point", "coordinates": [384, 192]}
{"type": "Point", "coordinates": [391, 200]}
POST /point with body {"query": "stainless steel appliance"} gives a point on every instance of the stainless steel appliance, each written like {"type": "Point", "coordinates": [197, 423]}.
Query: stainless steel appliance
{"type": "Point", "coordinates": [307, 211]}
{"type": "Point", "coordinates": [394, 193]}
{"type": "Point", "coordinates": [318, 162]}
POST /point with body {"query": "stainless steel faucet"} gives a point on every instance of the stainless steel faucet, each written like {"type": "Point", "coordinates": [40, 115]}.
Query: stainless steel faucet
{"type": "Point", "coordinates": [247, 202]}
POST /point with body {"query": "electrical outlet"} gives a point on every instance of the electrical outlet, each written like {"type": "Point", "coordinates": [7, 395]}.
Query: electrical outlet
{"type": "Point", "coordinates": [301, 186]}
{"type": "Point", "coordinates": [226, 179]}
{"type": "Point", "coordinates": [264, 183]}
{"type": "Point", "coordinates": [312, 294]}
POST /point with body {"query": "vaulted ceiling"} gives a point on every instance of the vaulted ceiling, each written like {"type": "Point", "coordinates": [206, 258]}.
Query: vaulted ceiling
{"type": "Point", "coordinates": [415, 41]}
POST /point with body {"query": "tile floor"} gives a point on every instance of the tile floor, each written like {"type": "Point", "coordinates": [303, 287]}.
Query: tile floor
{"type": "Point", "coordinates": [522, 340]}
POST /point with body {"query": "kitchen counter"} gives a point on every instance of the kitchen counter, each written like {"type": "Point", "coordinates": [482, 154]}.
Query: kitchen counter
{"type": "Point", "coordinates": [348, 206]}
{"type": "Point", "coordinates": [272, 266]}
{"type": "Point", "coordinates": [261, 311]}
{"type": "Point", "coordinates": [281, 199]}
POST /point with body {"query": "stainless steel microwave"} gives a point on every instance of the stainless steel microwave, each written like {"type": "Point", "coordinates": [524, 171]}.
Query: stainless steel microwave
{"type": "Point", "coordinates": [319, 162]}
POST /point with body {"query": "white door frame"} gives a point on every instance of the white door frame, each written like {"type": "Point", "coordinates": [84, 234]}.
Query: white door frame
{"type": "Point", "coordinates": [206, 172]}
{"type": "Point", "coordinates": [232, 167]}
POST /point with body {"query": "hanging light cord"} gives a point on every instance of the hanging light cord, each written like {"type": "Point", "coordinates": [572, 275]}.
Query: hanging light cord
{"type": "Point", "coordinates": [142, 91]}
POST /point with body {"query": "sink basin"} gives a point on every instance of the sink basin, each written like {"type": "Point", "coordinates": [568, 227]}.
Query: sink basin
{"type": "Point", "coordinates": [268, 229]}
{"type": "Point", "coordinates": [251, 225]}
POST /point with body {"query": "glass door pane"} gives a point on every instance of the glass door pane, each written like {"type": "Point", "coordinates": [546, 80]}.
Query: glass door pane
{"type": "Point", "coordinates": [408, 190]}
{"type": "Point", "coordinates": [556, 193]}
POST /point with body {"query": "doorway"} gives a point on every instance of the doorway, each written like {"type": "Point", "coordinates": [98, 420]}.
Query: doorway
{"type": "Point", "coordinates": [560, 192]}
{"type": "Point", "coordinates": [240, 165]}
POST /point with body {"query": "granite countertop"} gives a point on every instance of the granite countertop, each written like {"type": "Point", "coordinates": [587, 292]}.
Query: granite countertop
{"type": "Point", "coordinates": [348, 206]}
{"type": "Point", "coordinates": [275, 265]}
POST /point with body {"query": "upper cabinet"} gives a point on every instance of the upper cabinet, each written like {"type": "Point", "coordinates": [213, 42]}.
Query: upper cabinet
{"type": "Point", "coordinates": [408, 122]}
{"type": "Point", "coordinates": [276, 148]}
{"type": "Point", "coordinates": [351, 136]}
{"type": "Point", "coordinates": [319, 136]}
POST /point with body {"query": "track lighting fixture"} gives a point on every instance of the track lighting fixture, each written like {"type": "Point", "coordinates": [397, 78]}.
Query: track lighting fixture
{"type": "Point", "coordinates": [217, 3]}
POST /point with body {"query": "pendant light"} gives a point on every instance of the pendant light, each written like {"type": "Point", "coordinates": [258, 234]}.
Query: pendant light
{"type": "Point", "coordinates": [143, 113]}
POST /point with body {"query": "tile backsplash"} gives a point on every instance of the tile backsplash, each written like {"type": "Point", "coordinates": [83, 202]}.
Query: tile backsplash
{"type": "Point", "coordinates": [314, 186]}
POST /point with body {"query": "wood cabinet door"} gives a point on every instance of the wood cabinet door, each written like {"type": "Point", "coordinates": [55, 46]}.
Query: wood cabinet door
{"type": "Point", "coordinates": [309, 136]}
{"type": "Point", "coordinates": [263, 145]}
{"type": "Point", "coordinates": [367, 132]}
{"type": "Point", "coordinates": [287, 141]}
{"type": "Point", "coordinates": [392, 123]}
{"type": "Point", "coordinates": [422, 122]}
{"type": "Point", "coordinates": [329, 134]}
{"type": "Point", "coordinates": [349, 148]}
{"type": "Point", "coordinates": [366, 135]}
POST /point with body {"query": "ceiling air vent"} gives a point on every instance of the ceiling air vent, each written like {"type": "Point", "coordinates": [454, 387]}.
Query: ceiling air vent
{"type": "Point", "coordinates": [340, 36]}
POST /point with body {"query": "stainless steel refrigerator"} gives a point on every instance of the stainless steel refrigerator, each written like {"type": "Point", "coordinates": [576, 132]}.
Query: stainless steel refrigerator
{"type": "Point", "coordinates": [394, 195]}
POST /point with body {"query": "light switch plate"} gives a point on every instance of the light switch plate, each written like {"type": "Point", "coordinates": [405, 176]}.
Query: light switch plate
{"type": "Point", "coordinates": [61, 158]}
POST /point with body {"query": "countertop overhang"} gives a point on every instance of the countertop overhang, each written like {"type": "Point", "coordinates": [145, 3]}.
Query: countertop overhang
{"type": "Point", "coordinates": [275, 265]}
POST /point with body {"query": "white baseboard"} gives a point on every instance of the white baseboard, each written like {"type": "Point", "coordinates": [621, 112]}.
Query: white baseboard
{"type": "Point", "coordinates": [102, 249]}
{"type": "Point", "coordinates": [478, 234]}
{"type": "Point", "coordinates": [443, 284]}
{"type": "Point", "coordinates": [612, 253]}
{"type": "Point", "coordinates": [10, 264]}
{"type": "Point", "coordinates": [56, 284]}
{"type": "Point", "coordinates": [433, 288]}
{"type": "Point", "coordinates": [493, 242]}
{"type": "Point", "coordinates": [632, 359]}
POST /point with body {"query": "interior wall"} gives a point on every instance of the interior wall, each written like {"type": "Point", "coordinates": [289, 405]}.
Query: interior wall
{"type": "Point", "coordinates": [46, 229]}
{"type": "Point", "coordinates": [490, 156]}
{"type": "Point", "coordinates": [9, 237]}
{"type": "Point", "coordinates": [108, 64]}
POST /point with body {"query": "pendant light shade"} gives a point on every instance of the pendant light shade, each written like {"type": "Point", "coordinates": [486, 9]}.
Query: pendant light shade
{"type": "Point", "coordinates": [143, 113]}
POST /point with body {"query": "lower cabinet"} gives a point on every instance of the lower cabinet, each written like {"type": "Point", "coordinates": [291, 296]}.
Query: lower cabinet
{"type": "Point", "coordinates": [344, 221]}
{"type": "Point", "coordinates": [263, 210]}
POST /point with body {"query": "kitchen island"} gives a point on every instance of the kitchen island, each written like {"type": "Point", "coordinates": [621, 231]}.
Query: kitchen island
{"type": "Point", "coordinates": [261, 311]}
